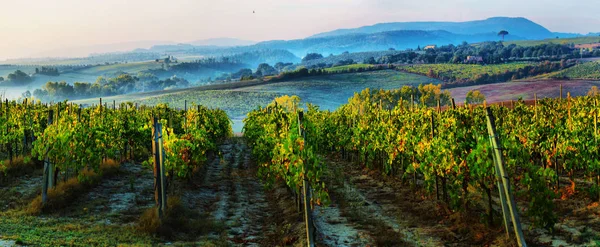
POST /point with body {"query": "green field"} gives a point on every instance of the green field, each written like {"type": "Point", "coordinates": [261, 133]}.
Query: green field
{"type": "Point", "coordinates": [349, 67]}
{"type": "Point", "coordinates": [577, 40]}
{"type": "Point", "coordinates": [328, 92]}
{"type": "Point", "coordinates": [585, 71]}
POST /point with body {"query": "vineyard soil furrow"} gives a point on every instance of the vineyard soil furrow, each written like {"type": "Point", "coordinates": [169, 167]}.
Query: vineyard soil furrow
{"type": "Point", "coordinates": [118, 199]}
{"type": "Point", "coordinates": [19, 192]}
{"type": "Point", "coordinates": [232, 195]}
{"type": "Point", "coordinates": [249, 210]}
{"type": "Point", "coordinates": [578, 224]}
{"type": "Point", "coordinates": [334, 229]}
{"type": "Point", "coordinates": [373, 204]}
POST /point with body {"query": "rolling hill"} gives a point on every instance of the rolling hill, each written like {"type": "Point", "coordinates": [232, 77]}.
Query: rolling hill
{"type": "Point", "coordinates": [517, 26]}
{"type": "Point", "coordinates": [402, 39]}
{"type": "Point", "coordinates": [360, 42]}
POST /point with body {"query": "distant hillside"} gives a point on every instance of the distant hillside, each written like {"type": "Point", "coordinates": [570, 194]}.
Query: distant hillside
{"type": "Point", "coordinates": [398, 40]}
{"type": "Point", "coordinates": [515, 26]}
{"type": "Point", "coordinates": [83, 51]}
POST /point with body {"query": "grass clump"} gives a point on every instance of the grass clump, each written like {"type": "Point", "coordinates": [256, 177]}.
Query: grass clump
{"type": "Point", "coordinates": [60, 196]}
{"type": "Point", "coordinates": [178, 222]}
{"type": "Point", "coordinates": [19, 166]}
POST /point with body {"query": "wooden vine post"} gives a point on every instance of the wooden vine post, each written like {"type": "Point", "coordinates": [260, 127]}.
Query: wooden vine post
{"type": "Point", "coordinates": [437, 186]}
{"type": "Point", "coordinates": [160, 192]}
{"type": "Point", "coordinates": [504, 187]}
{"type": "Point", "coordinates": [306, 189]}
{"type": "Point", "coordinates": [9, 144]}
{"type": "Point", "coordinates": [561, 90]}
{"type": "Point", "coordinates": [47, 176]}
{"type": "Point", "coordinates": [535, 105]}
{"type": "Point", "coordinates": [24, 128]}
{"type": "Point", "coordinates": [596, 141]}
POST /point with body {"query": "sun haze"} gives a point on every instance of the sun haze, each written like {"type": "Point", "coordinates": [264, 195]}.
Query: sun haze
{"type": "Point", "coordinates": [37, 28]}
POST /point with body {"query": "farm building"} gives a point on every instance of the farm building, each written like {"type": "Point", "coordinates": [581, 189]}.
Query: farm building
{"type": "Point", "coordinates": [474, 59]}
{"type": "Point", "coordinates": [429, 47]}
{"type": "Point", "coordinates": [169, 59]}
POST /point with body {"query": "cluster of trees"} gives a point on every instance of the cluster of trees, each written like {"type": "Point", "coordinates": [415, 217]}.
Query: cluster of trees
{"type": "Point", "coordinates": [16, 78]}
{"type": "Point", "coordinates": [47, 71]}
{"type": "Point", "coordinates": [122, 84]}
{"type": "Point", "coordinates": [490, 52]}
{"type": "Point", "coordinates": [265, 69]}
{"type": "Point", "coordinates": [593, 91]}
{"type": "Point", "coordinates": [280, 66]}
{"type": "Point", "coordinates": [475, 97]}
{"type": "Point", "coordinates": [245, 74]}
{"type": "Point", "coordinates": [311, 56]}
{"type": "Point", "coordinates": [430, 94]}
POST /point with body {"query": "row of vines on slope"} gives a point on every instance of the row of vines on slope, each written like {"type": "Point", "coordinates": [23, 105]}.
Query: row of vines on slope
{"type": "Point", "coordinates": [283, 154]}
{"type": "Point", "coordinates": [448, 150]}
{"type": "Point", "coordinates": [80, 138]}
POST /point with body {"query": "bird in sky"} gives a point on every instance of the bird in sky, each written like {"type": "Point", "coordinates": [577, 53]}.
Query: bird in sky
{"type": "Point", "coordinates": [253, 12]}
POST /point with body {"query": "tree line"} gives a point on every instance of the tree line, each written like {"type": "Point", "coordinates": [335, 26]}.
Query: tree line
{"type": "Point", "coordinates": [47, 71]}
{"type": "Point", "coordinates": [121, 84]}
{"type": "Point", "coordinates": [489, 52]}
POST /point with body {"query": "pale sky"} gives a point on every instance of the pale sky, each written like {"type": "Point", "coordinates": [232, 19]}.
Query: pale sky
{"type": "Point", "coordinates": [29, 27]}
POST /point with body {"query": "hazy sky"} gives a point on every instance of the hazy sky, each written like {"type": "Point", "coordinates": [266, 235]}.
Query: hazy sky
{"type": "Point", "coordinates": [29, 28]}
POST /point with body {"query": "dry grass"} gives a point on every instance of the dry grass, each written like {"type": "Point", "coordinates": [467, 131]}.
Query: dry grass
{"type": "Point", "coordinates": [20, 166]}
{"type": "Point", "coordinates": [65, 192]}
{"type": "Point", "coordinates": [149, 221]}
{"type": "Point", "coordinates": [109, 167]}
{"type": "Point", "coordinates": [179, 222]}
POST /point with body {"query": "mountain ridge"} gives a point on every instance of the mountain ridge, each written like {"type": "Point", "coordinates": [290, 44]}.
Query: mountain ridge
{"type": "Point", "coordinates": [359, 42]}
{"type": "Point", "coordinates": [518, 26]}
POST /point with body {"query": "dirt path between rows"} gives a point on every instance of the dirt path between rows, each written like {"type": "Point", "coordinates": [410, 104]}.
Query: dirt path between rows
{"type": "Point", "coordinates": [371, 207]}
{"type": "Point", "coordinates": [118, 199]}
{"type": "Point", "coordinates": [230, 193]}
{"type": "Point", "coordinates": [20, 190]}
